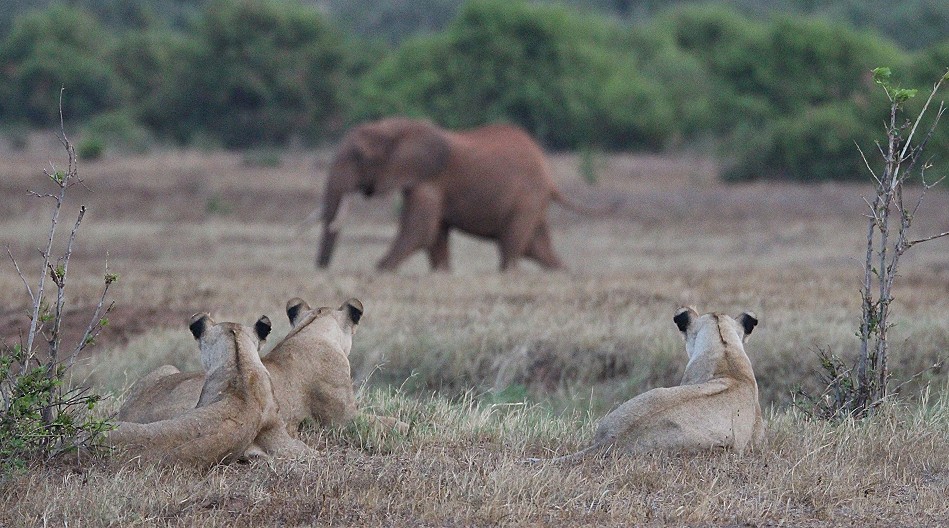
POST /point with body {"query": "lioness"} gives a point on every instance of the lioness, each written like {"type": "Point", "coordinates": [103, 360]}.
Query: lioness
{"type": "Point", "coordinates": [236, 407]}
{"type": "Point", "coordinates": [715, 405]}
{"type": "Point", "coordinates": [309, 369]}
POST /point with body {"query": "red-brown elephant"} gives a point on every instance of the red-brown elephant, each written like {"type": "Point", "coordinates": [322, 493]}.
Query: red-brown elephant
{"type": "Point", "coordinates": [492, 182]}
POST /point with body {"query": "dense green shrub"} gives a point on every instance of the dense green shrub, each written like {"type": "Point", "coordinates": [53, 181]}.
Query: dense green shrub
{"type": "Point", "coordinates": [541, 67]}
{"type": "Point", "coordinates": [90, 148]}
{"type": "Point", "coordinates": [250, 73]}
{"type": "Point", "coordinates": [61, 47]}
{"type": "Point", "coordinates": [819, 143]}
{"type": "Point", "coordinates": [812, 62]}
{"type": "Point", "coordinates": [789, 98]}
{"type": "Point", "coordinates": [926, 65]}
{"type": "Point", "coordinates": [120, 131]}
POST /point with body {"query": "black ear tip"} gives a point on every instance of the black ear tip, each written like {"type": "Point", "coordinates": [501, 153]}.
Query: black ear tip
{"type": "Point", "coordinates": [295, 307]}
{"type": "Point", "coordinates": [749, 321]}
{"type": "Point", "coordinates": [262, 327]}
{"type": "Point", "coordinates": [681, 318]}
{"type": "Point", "coordinates": [198, 324]}
{"type": "Point", "coordinates": [355, 309]}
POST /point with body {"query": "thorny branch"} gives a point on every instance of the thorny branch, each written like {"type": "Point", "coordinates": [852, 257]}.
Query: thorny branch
{"type": "Point", "coordinates": [29, 290]}
{"type": "Point", "coordinates": [900, 157]}
{"type": "Point", "coordinates": [58, 399]}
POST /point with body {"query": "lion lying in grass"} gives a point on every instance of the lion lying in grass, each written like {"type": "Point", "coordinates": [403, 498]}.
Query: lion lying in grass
{"type": "Point", "coordinates": [309, 369]}
{"type": "Point", "coordinates": [715, 405]}
{"type": "Point", "coordinates": [235, 409]}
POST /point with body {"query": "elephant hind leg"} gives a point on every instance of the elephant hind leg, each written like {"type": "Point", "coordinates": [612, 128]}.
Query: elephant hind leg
{"type": "Point", "coordinates": [542, 250]}
{"type": "Point", "coordinates": [438, 252]}
{"type": "Point", "coordinates": [515, 242]}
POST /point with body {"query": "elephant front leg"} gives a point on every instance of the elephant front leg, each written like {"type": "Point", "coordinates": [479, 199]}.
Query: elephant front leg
{"type": "Point", "coordinates": [438, 251]}
{"type": "Point", "coordinates": [418, 226]}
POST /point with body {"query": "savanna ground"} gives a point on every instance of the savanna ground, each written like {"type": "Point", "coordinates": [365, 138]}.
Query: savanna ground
{"type": "Point", "coordinates": [491, 368]}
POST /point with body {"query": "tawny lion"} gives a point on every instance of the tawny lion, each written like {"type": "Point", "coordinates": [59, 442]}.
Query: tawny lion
{"type": "Point", "coordinates": [309, 368]}
{"type": "Point", "coordinates": [715, 405]}
{"type": "Point", "coordinates": [235, 410]}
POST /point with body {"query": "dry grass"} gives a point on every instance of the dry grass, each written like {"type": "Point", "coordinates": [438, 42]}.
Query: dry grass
{"type": "Point", "coordinates": [461, 465]}
{"type": "Point", "coordinates": [458, 354]}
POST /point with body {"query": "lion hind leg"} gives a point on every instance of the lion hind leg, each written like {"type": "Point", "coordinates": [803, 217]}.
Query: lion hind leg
{"type": "Point", "coordinates": [141, 387]}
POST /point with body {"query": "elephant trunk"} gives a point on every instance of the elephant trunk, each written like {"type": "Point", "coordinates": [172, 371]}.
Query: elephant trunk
{"type": "Point", "coordinates": [327, 244]}
{"type": "Point", "coordinates": [334, 208]}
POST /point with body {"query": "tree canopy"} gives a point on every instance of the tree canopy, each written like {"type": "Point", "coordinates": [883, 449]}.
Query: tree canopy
{"type": "Point", "coordinates": [777, 96]}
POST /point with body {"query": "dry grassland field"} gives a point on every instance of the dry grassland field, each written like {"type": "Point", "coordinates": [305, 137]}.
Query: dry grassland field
{"type": "Point", "coordinates": [492, 368]}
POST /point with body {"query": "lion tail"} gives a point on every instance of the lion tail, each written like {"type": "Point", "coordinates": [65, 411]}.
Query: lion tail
{"type": "Point", "coordinates": [573, 457]}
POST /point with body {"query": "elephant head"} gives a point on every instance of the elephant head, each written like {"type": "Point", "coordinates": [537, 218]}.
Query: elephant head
{"type": "Point", "coordinates": [377, 158]}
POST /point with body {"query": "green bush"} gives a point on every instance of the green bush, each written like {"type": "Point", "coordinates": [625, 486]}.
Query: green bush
{"type": "Point", "coordinates": [90, 148]}
{"type": "Point", "coordinates": [61, 47]}
{"type": "Point", "coordinates": [120, 130]}
{"type": "Point", "coordinates": [258, 74]}
{"type": "Point", "coordinates": [40, 418]}
{"type": "Point", "coordinates": [790, 97]}
{"type": "Point", "coordinates": [632, 112]}
{"type": "Point", "coordinates": [253, 73]}
{"type": "Point", "coordinates": [926, 65]}
{"type": "Point", "coordinates": [812, 62]}
{"type": "Point", "coordinates": [41, 415]}
{"type": "Point", "coordinates": [818, 144]}
{"type": "Point", "coordinates": [541, 67]}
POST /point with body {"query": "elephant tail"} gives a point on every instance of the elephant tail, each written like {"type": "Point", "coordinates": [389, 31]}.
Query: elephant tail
{"type": "Point", "coordinates": [599, 210]}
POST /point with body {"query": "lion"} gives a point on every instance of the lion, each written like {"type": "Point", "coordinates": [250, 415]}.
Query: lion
{"type": "Point", "coordinates": [714, 406]}
{"type": "Point", "coordinates": [309, 369]}
{"type": "Point", "coordinates": [235, 413]}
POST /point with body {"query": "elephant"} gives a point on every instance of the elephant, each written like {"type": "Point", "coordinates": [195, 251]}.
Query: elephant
{"type": "Point", "coordinates": [492, 182]}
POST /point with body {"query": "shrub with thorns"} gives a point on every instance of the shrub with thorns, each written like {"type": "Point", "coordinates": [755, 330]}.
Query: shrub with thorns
{"type": "Point", "coordinates": [42, 416]}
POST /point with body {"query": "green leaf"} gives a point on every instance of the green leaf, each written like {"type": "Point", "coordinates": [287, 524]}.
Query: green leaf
{"type": "Point", "coordinates": [882, 76]}
{"type": "Point", "coordinates": [58, 176]}
{"type": "Point", "coordinates": [902, 94]}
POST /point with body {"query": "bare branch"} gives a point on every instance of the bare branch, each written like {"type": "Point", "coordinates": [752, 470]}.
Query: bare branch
{"type": "Point", "coordinates": [909, 139]}
{"type": "Point", "coordinates": [95, 322]}
{"type": "Point", "coordinates": [867, 163]}
{"type": "Point", "coordinates": [38, 195]}
{"type": "Point", "coordinates": [873, 213]}
{"type": "Point", "coordinates": [20, 273]}
{"type": "Point", "coordinates": [59, 277]}
{"type": "Point", "coordinates": [927, 239]}
{"type": "Point", "coordinates": [886, 244]}
{"type": "Point", "coordinates": [38, 300]}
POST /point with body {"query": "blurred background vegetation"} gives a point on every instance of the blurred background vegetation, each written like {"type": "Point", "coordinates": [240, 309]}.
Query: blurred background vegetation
{"type": "Point", "coordinates": [776, 89]}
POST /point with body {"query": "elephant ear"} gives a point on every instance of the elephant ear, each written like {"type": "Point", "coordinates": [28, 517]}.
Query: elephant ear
{"type": "Point", "coordinates": [371, 145]}
{"type": "Point", "coordinates": [420, 153]}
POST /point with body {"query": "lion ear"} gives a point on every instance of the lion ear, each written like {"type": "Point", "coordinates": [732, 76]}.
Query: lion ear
{"type": "Point", "coordinates": [353, 309]}
{"type": "Point", "coordinates": [199, 324]}
{"type": "Point", "coordinates": [748, 322]}
{"type": "Point", "coordinates": [684, 317]}
{"type": "Point", "coordinates": [262, 327]}
{"type": "Point", "coordinates": [295, 308]}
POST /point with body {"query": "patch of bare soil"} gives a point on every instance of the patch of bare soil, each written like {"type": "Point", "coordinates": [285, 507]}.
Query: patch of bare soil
{"type": "Point", "coordinates": [124, 323]}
